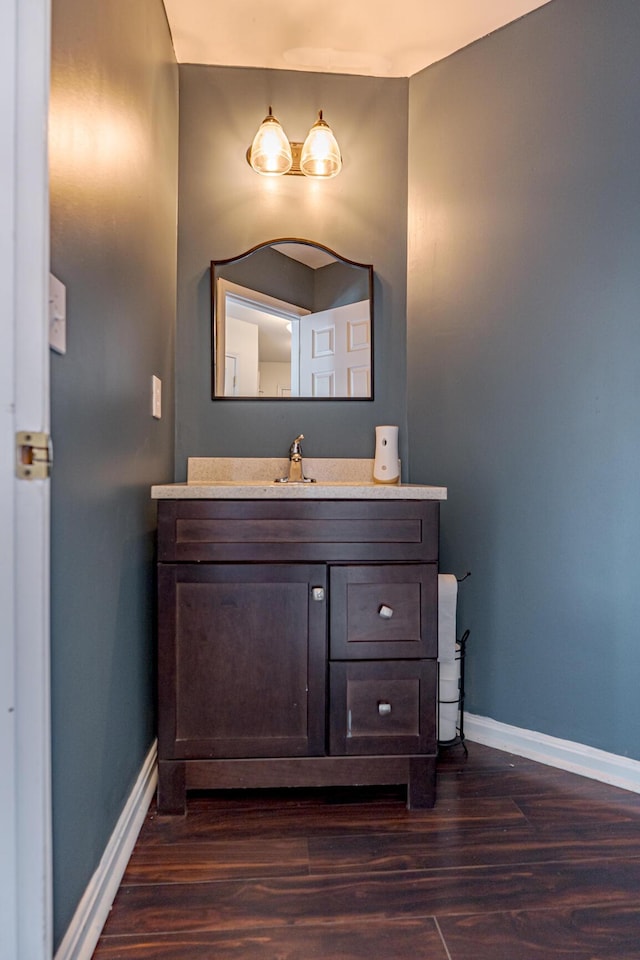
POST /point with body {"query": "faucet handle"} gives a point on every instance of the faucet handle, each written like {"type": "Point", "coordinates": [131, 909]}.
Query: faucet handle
{"type": "Point", "coordinates": [295, 447]}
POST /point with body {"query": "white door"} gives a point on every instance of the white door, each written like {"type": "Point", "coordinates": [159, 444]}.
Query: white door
{"type": "Point", "coordinates": [230, 375]}
{"type": "Point", "coordinates": [25, 804]}
{"type": "Point", "coordinates": [335, 352]}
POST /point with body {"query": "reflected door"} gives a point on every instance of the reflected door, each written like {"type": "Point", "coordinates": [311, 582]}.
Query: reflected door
{"type": "Point", "coordinates": [230, 376]}
{"type": "Point", "coordinates": [335, 352]}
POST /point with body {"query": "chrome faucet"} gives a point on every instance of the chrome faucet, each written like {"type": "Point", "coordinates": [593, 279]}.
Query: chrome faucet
{"type": "Point", "coordinates": [295, 461]}
{"type": "Point", "coordinates": [296, 473]}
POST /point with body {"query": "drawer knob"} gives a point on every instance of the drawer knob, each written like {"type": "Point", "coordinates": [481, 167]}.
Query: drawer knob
{"type": "Point", "coordinates": [317, 593]}
{"type": "Point", "coordinates": [384, 708]}
{"type": "Point", "coordinates": [385, 612]}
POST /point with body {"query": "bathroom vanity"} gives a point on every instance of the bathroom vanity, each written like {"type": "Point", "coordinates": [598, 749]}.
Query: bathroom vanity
{"type": "Point", "coordinates": [297, 630]}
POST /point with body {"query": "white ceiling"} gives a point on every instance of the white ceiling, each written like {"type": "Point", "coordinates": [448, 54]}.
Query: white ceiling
{"type": "Point", "coordinates": [381, 38]}
{"type": "Point", "coordinates": [311, 256]}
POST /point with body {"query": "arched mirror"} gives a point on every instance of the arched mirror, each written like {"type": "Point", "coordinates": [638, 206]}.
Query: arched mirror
{"type": "Point", "coordinates": [292, 320]}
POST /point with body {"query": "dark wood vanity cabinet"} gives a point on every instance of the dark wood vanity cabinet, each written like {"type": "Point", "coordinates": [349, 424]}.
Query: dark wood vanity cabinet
{"type": "Point", "coordinates": [297, 644]}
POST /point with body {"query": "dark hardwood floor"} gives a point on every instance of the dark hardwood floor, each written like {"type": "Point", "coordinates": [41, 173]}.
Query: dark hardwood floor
{"type": "Point", "coordinates": [517, 861]}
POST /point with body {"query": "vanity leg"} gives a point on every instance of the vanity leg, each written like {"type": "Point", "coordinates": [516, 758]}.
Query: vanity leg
{"type": "Point", "coordinates": [421, 789]}
{"type": "Point", "coordinates": [172, 794]}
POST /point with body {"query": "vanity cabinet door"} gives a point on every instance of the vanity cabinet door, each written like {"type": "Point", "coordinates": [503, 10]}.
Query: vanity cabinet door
{"type": "Point", "coordinates": [384, 611]}
{"type": "Point", "coordinates": [242, 660]}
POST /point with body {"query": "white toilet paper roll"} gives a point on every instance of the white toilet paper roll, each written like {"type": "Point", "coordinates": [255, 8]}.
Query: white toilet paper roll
{"type": "Point", "coordinates": [447, 602]}
{"type": "Point", "coordinates": [448, 698]}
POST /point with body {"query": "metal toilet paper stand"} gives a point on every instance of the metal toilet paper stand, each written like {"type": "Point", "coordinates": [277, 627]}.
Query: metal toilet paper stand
{"type": "Point", "coordinates": [461, 646]}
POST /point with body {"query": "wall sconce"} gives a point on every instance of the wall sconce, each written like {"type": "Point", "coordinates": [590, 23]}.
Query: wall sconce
{"type": "Point", "coordinates": [271, 154]}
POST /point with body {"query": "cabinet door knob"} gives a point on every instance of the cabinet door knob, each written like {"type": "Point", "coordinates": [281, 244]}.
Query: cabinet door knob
{"type": "Point", "coordinates": [385, 612]}
{"type": "Point", "coordinates": [317, 593]}
{"type": "Point", "coordinates": [384, 708]}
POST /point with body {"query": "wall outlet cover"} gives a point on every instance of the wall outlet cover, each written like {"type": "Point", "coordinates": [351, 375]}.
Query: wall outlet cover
{"type": "Point", "coordinates": [57, 315]}
{"type": "Point", "coordinates": [156, 397]}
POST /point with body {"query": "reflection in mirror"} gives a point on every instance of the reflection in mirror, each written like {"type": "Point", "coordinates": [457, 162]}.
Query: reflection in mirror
{"type": "Point", "coordinates": [292, 319]}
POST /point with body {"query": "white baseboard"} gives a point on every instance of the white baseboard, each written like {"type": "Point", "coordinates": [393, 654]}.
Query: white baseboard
{"type": "Point", "coordinates": [565, 754]}
{"type": "Point", "coordinates": [86, 926]}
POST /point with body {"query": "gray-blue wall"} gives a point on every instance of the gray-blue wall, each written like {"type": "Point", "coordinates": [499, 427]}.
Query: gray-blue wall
{"type": "Point", "coordinates": [523, 383]}
{"type": "Point", "coordinates": [114, 136]}
{"type": "Point", "coordinates": [225, 208]}
{"type": "Point", "coordinates": [524, 370]}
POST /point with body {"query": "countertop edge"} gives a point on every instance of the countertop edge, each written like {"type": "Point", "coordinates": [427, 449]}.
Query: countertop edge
{"type": "Point", "coordinates": [313, 491]}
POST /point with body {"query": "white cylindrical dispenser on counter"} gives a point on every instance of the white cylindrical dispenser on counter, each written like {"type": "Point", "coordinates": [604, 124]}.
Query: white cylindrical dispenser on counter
{"type": "Point", "coordinates": [385, 466]}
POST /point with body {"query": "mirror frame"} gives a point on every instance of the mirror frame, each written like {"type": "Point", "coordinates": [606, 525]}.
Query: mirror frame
{"type": "Point", "coordinates": [216, 265]}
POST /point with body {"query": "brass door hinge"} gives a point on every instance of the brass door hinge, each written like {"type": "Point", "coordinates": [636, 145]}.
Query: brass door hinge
{"type": "Point", "coordinates": [33, 455]}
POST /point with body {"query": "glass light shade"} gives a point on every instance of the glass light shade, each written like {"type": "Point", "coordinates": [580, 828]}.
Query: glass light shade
{"type": "Point", "coordinates": [270, 152]}
{"type": "Point", "coordinates": [320, 155]}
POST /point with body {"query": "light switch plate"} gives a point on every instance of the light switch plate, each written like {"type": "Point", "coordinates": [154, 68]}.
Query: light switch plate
{"type": "Point", "coordinates": [57, 315]}
{"type": "Point", "coordinates": [156, 397]}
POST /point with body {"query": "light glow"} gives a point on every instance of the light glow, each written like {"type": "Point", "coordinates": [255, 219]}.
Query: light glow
{"type": "Point", "coordinates": [270, 152]}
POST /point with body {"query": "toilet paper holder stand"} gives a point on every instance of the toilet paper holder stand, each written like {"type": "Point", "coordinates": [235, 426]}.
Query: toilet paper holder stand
{"type": "Point", "coordinates": [461, 645]}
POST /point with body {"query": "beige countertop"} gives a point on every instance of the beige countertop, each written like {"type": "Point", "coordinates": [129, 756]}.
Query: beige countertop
{"type": "Point", "coordinates": [226, 478]}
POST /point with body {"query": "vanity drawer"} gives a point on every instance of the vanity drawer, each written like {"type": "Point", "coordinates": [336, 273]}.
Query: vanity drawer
{"type": "Point", "coordinates": [297, 531]}
{"type": "Point", "coordinates": [384, 611]}
{"type": "Point", "coordinates": [382, 707]}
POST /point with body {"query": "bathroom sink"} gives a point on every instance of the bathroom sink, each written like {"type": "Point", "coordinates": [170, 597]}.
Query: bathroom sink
{"type": "Point", "coordinates": [254, 477]}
